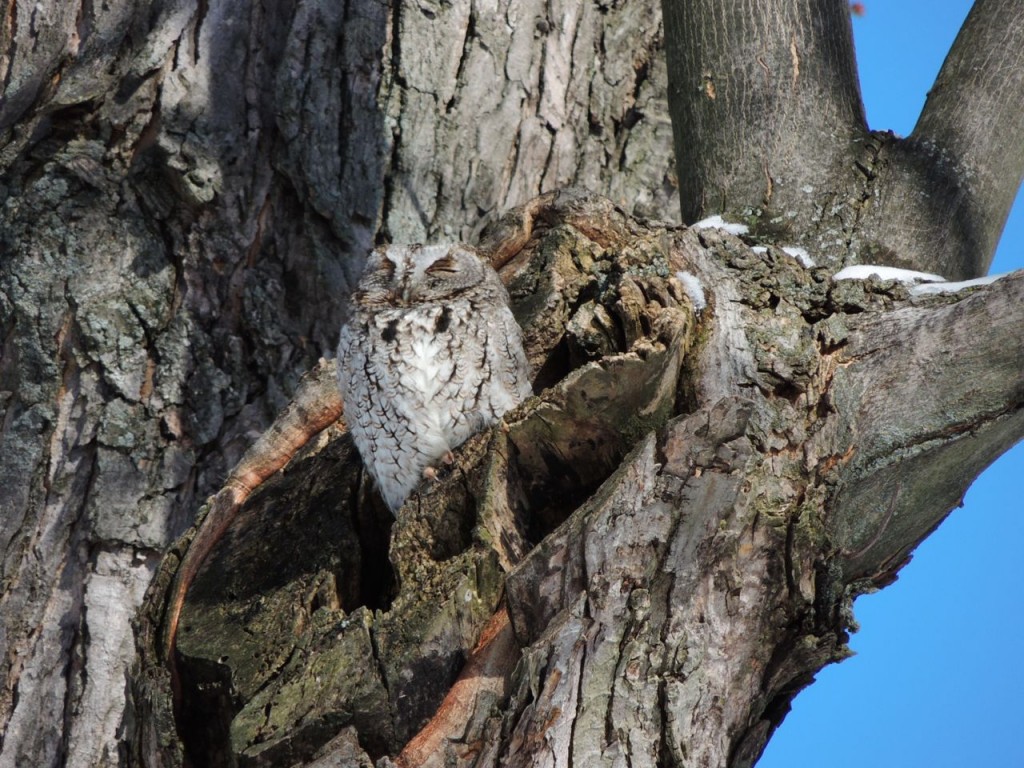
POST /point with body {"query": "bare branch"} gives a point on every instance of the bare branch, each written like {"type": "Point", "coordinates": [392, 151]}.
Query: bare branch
{"type": "Point", "coordinates": [972, 123]}
{"type": "Point", "coordinates": [764, 100]}
{"type": "Point", "coordinates": [936, 394]}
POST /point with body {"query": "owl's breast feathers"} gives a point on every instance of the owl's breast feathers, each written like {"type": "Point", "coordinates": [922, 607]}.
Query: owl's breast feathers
{"type": "Point", "coordinates": [418, 380]}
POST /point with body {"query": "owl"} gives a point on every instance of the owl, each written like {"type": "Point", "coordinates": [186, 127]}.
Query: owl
{"type": "Point", "coordinates": [430, 355]}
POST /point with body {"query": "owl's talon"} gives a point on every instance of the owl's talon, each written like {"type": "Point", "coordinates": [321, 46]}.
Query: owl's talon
{"type": "Point", "coordinates": [429, 473]}
{"type": "Point", "coordinates": [448, 458]}
{"type": "Point", "coordinates": [504, 426]}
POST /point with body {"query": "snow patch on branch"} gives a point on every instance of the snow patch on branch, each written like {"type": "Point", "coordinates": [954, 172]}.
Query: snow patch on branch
{"type": "Point", "coordinates": [717, 222]}
{"type": "Point", "coordinates": [800, 255]}
{"type": "Point", "coordinates": [864, 271]}
{"type": "Point", "coordinates": [921, 283]}
{"type": "Point", "coordinates": [926, 289]}
{"type": "Point", "coordinates": [694, 289]}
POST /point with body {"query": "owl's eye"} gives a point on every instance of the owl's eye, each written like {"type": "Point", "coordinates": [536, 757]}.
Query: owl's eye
{"type": "Point", "coordinates": [444, 266]}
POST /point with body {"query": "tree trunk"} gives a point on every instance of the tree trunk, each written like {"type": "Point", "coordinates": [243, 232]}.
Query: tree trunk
{"type": "Point", "coordinates": [727, 445]}
{"type": "Point", "coordinates": [738, 467]}
{"type": "Point", "coordinates": [189, 189]}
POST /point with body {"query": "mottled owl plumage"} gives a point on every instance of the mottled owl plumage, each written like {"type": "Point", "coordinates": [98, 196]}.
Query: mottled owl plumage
{"type": "Point", "coordinates": [430, 355]}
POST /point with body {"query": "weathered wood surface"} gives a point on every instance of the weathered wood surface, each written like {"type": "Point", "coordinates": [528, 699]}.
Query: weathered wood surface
{"type": "Point", "coordinates": [732, 481]}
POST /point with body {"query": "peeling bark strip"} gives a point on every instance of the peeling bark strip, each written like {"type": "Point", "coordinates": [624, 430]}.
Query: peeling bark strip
{"type": "Point", "coordinates": [732, 485]}
{"type": "Point", "coordinates": [482, 684]}
{"type": "Point", "coordinates": [316, 406]}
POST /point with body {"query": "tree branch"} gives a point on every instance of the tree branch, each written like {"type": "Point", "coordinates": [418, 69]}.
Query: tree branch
{"type": "Point", "coordinates": [935, 394]}
{"type": "Point", "coordinates": [765, 103]}
{"type": "Point", "coordinates": [971, 121]}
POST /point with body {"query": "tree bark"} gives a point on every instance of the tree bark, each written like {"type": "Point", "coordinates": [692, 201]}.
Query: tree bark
{"type": "Point", "coordinates": [771, 97]}
{"type": "Point", "coordinates": [676, 525]}
{"type": "Point", "coordinates": [189, 189]}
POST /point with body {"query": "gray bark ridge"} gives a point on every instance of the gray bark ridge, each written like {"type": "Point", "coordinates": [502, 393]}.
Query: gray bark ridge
{"type": "Point", "coordinates": [528, 97]}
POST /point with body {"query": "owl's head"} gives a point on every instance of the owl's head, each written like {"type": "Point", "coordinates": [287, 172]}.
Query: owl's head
{"type": "Point", "coordinates": [408, 275]}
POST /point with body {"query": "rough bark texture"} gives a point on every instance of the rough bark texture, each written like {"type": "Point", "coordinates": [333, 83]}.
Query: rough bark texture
{"type": "Point", "coordinates": [239, 641]}
{"type": "Point", "coordinates": [676, 523]}
{"type": "Point", "coordinates": [738, 475]}
{"type": "Point", "coordinates": [188, 189]}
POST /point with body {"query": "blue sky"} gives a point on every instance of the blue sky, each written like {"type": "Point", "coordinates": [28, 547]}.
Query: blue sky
{"type": "Point", "coordinates": [938, 680]}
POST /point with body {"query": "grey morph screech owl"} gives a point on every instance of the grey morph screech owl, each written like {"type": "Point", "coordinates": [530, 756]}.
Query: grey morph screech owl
{"type": "Point", "coordinates": [430, 355]}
